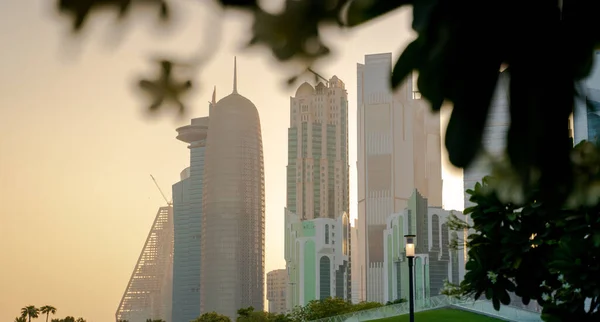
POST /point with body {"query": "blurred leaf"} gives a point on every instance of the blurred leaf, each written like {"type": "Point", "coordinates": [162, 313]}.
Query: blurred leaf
{"type": "Point", "coordinates": [361, 11]}
{"type": "Point", "coordinates": [165, 88]}
{"type": "Point", "coordinates": [246, 4]}
{"type": "Point", "coordinates": [406, 63]}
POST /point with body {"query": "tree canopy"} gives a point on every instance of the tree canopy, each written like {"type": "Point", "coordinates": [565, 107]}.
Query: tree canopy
{"type": "Point", "coordinates": [536, 252]}
{"type": "Point", "coordinates": [319, 309]}
{"type": "Point", "coordinates": [212, 317]}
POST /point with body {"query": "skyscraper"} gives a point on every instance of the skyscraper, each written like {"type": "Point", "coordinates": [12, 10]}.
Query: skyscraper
{"type": "Point", "coordinates": [399, 150]}
{"type": "Point", "coordinates": [587, 121]}
{"type": "Point", "coordinates": [233, 218]}
{"type": "Point", "coordinates": [318, 169]}
{"type": "Point", "coordinates": [276, 289]}
{"type": "Point", "coordinates": [148, 293]}
{"type": "Point", "coordinates": [187, 206]}
{"type": "Point", "coordinates": [317, 227]}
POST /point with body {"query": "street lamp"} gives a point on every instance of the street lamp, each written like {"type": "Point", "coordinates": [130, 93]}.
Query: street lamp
{"type": "Point", "coordinates": [410, 254]}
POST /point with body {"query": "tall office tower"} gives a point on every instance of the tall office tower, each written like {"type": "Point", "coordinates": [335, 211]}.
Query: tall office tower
{"type": "Point", "coordinates": [318, 170]}
{"type": "Point", "coordinates": [354, 258]}
{"type": "Point", "coordinates": [148, 293]}
{"type": "Point", "coordinates": [586, 123]}
{"type": "Point", "coordinates": [317, 192]}
{"type": "Point", "coordinates": [187, 206]}
{"type": "Point", "coordinates": [276, 289]}
{"type": "Point", "coordinates": [233, 221]}
{"type": "Point", "coordinates": [435, 261]}
{"type": "Point", "coordinates": [317, 256]}
{"type": "Point", "coordinates": [399, 150]}
{"type": "Point", "coordinates": [494, 137]}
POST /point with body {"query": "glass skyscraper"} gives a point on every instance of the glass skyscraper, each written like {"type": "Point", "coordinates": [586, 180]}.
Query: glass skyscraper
{"type": "Point", "coordinates": [187, 213]}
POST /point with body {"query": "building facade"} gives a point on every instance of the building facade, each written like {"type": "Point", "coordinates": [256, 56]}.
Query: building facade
{"type": "Point", "coordinates": [586, 123]}
{"type": "Point", "coordinates": [318, 193]}
{"type": "Point", "coordinates": [318, 170]}
{"type": "Point", "coordinates": [354, 258]}
{"type": "Point", "coordinates": [493, 139]}
{"type": "Point", "coordinates": [399, 150]}
{"type": "Point", "coordinates": [276, 291]}
{"type": "Point", "coordinates": [233, 218]}
{"type": "Point", "coordinates": [148, 293]}
{"type": "Point", "coordinates": [187, 208]}
{"type": "Point", "coordinates": [317, 255]}
{"type": "Point", "coordinates": [434, 260]}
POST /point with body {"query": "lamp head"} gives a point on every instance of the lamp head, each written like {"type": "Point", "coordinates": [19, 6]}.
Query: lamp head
{"type": "Point", "coordinates": [410, 245]}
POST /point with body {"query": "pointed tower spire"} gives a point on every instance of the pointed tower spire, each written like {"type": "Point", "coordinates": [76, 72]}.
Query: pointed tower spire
{"type": "Point", "coordinates": [214, 97]}
{"type": "Point", "coordinates": [234, 75]}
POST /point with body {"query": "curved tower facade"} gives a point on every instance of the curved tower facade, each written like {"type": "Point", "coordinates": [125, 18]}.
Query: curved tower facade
{"type": "Point", "coordinates": [187, 214]}
{"type": "Point", "coordinates": [233, 221]}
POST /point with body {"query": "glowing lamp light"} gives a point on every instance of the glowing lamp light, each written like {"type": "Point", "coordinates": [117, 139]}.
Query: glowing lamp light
{"type": "Point", "coordinates": [410, 245]}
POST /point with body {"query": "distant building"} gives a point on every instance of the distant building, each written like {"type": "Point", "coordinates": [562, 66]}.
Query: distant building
{"type": "Point", "coordinates": [434, 260]}
{"type": "Point", "coordinates": [187, 208]}
{"type": "Point", "coordinates": [354, 258]}
{"type": "Point", "coordinates": [276, 289]}
{"type": "Point", "coordinates": [586, 121]}
{"type": "Point", "coordinates": [317, 255]}
{"type": "Point", "coordinates": [148, 293]}
{"type": "Point", "coordinates": [233, 214]}
{"type": "Point", "coordinates": [399, 150]}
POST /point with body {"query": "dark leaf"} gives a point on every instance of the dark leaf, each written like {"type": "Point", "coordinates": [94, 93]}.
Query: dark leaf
{"type": "Point", "coordinates": [496, 303]}
{"type": "Point", "coordinates": [240, 3]}
{"type": "Point", "coordinates": [596, 239]}
{"type": "Point", "coordinates": [361, 11]}
{"type": "Point", "coordinates": [406, 63]}
{"type": "Point", "coordinates": [465, 127]}
{"type": "Point", "coordinates": [422, 12]}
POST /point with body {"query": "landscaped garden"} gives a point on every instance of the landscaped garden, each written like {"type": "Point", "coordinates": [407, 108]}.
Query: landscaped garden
{"type": "Point", "coordinates": [445, 315]}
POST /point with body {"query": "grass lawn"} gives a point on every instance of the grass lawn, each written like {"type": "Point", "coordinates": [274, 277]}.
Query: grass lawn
{"type": "Point", "coordinates": [445, 315]}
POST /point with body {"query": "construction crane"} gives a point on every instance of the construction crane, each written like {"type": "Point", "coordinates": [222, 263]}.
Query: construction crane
{"type": "Point", "coordinates": [170, 203]}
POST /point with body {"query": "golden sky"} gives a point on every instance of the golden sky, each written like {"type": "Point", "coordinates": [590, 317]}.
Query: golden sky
{"type": "Point", "coordinates": [77, 148]}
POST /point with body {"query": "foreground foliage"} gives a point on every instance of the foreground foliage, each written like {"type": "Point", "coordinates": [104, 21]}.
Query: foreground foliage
{"type": "Point", "coordinates": [536, 251]}
{"type": "Point", "coordinates": [546, 46]}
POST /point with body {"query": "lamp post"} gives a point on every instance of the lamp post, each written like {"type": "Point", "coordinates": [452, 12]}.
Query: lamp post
{"type": "Point", "coordinates": [410, 254]}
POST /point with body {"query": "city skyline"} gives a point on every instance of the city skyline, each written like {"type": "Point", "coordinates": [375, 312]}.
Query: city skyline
{"type": "Point", "coordinates": [84, 194]}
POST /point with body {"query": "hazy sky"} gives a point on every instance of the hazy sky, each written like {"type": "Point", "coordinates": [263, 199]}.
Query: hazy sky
{"type": "Point", "coordinates": [77, 149]}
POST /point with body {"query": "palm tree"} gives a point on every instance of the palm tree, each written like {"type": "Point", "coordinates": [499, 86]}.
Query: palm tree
{"type": "Point", "coordinates": [30, 312]}
{"type": "Point", "coordinates": [47, 309]}
{"type": "Point", "coordinates": [20, 319]}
